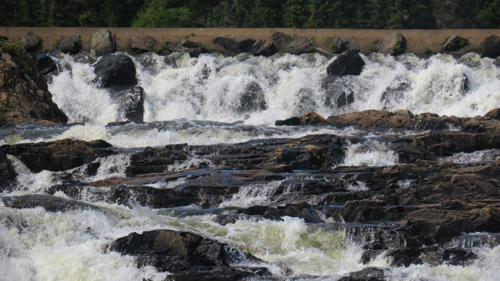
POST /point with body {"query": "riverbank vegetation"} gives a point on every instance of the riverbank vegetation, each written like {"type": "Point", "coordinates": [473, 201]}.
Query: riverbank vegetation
{"type": "Point", "coordinates": [367, 14]}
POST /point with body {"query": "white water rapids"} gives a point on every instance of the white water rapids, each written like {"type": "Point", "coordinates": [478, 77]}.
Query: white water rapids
{"type": "Point", "coordinates": [198, 101]}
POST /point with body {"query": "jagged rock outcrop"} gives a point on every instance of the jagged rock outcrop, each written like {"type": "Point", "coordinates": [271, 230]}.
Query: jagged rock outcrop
{"type": "Point", "coordinates": [142, 44]}
{"type": "Point", "coordinates": [194, 49]}
{"type": "Point", "coordinates": [188, 256]}
{"type": "Point", "coordinates": [103, 42]}
{"type": "Point", "coordinates": [454, 43]}
{"type": "Point", "coordinates": [237, 45]}
{"type": "Point", "coordinates": [348, 63]}
{"type": "Point", "coordinates": [340, 44]}
{"type": "Point", "coordinates": [58, 155]}
{"type": "Point", "coordinates": [45, 65]}
{"type": "Point", "coordinates": [24, 95]}
{"type": "Point", "coordinates": [489, 47]}
{"type": "Point", "coordinates": [392, 44]}
{"type": "Point", "coordinates": [32, 42]}
{"type": "Point", "coordinates": [291, 44]}
{"type": "Point", "coordinates": [70, 44]}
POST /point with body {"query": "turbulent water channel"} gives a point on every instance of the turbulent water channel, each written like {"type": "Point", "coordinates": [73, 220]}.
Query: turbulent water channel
{"type": "Point", "coordinates": [198, 101]}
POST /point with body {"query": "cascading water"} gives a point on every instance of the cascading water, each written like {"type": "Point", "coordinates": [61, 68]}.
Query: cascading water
{"type": "Point", "coordinates": [217, 100]}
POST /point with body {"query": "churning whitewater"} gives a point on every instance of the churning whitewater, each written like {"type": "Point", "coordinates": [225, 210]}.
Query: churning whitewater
{"type": "Point", "coordinates": [202, 102]}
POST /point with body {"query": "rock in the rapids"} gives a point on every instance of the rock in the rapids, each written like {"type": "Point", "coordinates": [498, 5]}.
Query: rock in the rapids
{"type": "Point", "coordinates": [392, 44]}
{"type": "Point", "coordinates": [58, 155]}
{"type": "Point", "coordinates": [32, 42]}
{"type": "Point", "coordinates": [188, 256]}
{"type": "Point", "coordinates": [454, 43]}
{"type": "Point", "coordinates": [45, 65]}
{"type": "Point", "coordinates": [253, 99]}
{"type": "Point", "coordinates": [140, 44]}
{"type": "Point", "coordinates": [489, 47]}
{"type": "Point", "coordinates": [6, 170]}
{"type": "Point", "coordinates": [48, 202]}
{"type": "Point", "coordinates": [341, 44]}
{"type": "Point", "coordinates": [130, 102]}
{"type": "Point", "coordinates": [70, 44]}
{"type": "Point", "coordinates": [291, 44]}
{"type": "Point", "coordinates": [103, 42]}
{"type": "Point", "coordinates": [292, 121]}
{"type": "Point", "coordinates": [349, 63]}
{"type": "Point", "coordinates": [24, 95]}
{"type": "Point", "coordinates": [376, 118]}
{"type": "Point", "coordinates": [238, 45]}
{"type": "Point", "coordinates": [367, 274]}
{"type": "Point", "coordinates": [311, 118]}
{"type": "Point", "coordinates": [115, 70]}
{"type": "Point", "coordinates": [194, 49]}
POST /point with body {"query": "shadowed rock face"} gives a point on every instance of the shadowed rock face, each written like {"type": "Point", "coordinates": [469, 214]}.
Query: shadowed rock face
{"type": "Point", "coordinates": [237, 45]}
{"type": "Point", "coordinates": [489, 47]}
{"type": "Point", "coordinates": [70, 44]}
{"type": "Point", "coordinates": [24, 94]}
{"type": "Point", "coordinates": [454, 43]}
{"type": "Point", "coordinates": [188, 256]}
{"type": "Point", "coordinates": [116, 70]}
{"type": "Point", "coordinates": [349, 63]}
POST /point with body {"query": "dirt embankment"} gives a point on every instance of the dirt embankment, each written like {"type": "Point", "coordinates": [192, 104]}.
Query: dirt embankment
{"type": "Point", "coordinates": [418, 40]}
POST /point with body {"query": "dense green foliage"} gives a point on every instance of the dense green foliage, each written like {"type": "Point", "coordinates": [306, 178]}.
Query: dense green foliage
{"type": "Point", "coordinates": [418, 14]}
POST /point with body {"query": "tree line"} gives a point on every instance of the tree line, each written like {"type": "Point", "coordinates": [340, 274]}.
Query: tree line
{"type": "Point", "coordinates": [369, 14]}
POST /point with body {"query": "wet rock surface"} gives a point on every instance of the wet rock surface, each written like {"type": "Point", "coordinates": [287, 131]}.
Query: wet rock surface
{"type": "Point", "coordinates": [115, 70]}
{"type": "Point", "coordinates": [188, 256]}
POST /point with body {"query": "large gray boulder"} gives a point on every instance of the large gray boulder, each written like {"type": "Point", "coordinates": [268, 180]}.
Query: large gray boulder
{"type": "Point", "coordinates": [341, 44]}
{"type": "Point", "coordinates": [392, 44]}
{"type": "Point", "coordinates": [70, 44]}
{"type": "Point", "coordinates": [141, 44]}
{"type": "Point", "coordinates": [291, 44]}
{"type": "Point", "coordinates": [238, 45]}
{"type": "Point", "coordinates": [489, 47]}
{"type": "Point", "coordinates": [130, 102]}
{"type": "Point", "coordinates": [349, 63]}
{"type": "Point", "coordinates": [115, 70]}
{"type": "Point", "coordinates": [32, 42]}
{"type": "Point", "coordinates": [103, 42]}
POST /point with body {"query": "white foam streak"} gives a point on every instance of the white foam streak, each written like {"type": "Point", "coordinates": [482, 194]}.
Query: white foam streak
{"type": "Point", "coordinates": [370, 153]}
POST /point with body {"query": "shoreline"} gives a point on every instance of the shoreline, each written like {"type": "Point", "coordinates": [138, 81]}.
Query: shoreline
{"type": "Point", "coordinates": [417, 39]}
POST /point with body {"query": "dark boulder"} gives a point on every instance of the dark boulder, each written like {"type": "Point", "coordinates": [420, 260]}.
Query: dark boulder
{"type": "Point", "coordinates": [142, 44]}
{"type": "Point", "coordinates": [489, 47]}
{"type": "Point", "coordinates": [493, 114]}
{"type": "Point", "coordinates": [32, 42]}
{"type": "Point", "coordinates": [392, 44]}
{"type": "Point", "coordinates": [103, 42]}
{"type": "Point", "coordinates": [311, 118]}
{"type": "Point", "coordinates": [48, 202]}
{"type": "Point", "coordinates": [238, 45]}
{"type": "Point", "coordinates": [367, 274]}
{"type": "Point", "coordinates": [291, 44]}
{"type": "Point", "coordinates": [70, 44]}
{"type": "Point", "coordinates": [116, 70]}
{"type": "Point", "coordinates": [6, 170]}
{"type": "Point", "coordinates": [130, 102]}
{"type": "Point", "coordinates": [341, 44]}
{"type": "Point", "coordinates": [349, 63]}
{"type": "Point", "coordinates": [188, 256]}
{"type": "Point", "coordinates": [454, 43]}
{"type": "Point", "coordinates": [58, 155]}
{"type": "Point", "coordinates": [45, 65]}
{"type": "Point", "coordinates": [253, 99]}
{"type": "Point", "coordinates": [292, 121]}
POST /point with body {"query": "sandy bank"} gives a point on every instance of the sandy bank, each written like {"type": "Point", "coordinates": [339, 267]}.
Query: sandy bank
{"type": "Point", "coordinates": [418, 40]}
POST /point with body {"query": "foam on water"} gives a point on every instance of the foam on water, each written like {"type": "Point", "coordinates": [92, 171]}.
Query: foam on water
{"type": "Point", "coordinates": [370, 153]}
{"type": "Point", "coordinates": [476, 156]}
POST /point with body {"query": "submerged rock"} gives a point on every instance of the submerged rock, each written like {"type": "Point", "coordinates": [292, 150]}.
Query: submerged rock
{"type": "Point", "coordinates": [130, 102]}
{"type": "Point", "coordinates": [253, 99]}
{"type": "Point", "coordinates": [188, 256]}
